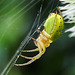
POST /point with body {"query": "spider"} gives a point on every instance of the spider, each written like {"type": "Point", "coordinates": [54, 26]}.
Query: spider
{"type": "Point", "coordinates": [53, 27]}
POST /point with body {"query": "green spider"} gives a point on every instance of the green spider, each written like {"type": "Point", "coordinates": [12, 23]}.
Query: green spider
{"type": "Point", "coordinates": [52, 30]}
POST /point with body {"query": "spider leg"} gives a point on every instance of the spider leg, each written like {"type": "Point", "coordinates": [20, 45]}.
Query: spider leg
{"type": "Point", "coordinates": [29, 62]}
{"type": "Point", "coordinates": [29, 51]}
{"type": "Point", "coordinates": [26, 57]}
{"type": "Point", "coordinates": [41, 48]}
{"type": "Point", "coordinates": [59, 11]}
{"type": "Point", "coordinates": [34, 50]}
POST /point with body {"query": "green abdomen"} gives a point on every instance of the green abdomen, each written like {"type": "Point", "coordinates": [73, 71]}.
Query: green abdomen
{"type": "Point", "coordinates": [53, 26]}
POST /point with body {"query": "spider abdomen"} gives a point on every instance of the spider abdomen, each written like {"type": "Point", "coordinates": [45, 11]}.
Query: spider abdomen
{"type": "Point", "coordinates": [54, 25]}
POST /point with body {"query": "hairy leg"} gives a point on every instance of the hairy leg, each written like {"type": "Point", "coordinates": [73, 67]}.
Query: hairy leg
{"type": "Point", "coordinates": [34, 50]}
{"type": "Point", "coordinates": [26, 57]}
{"type": "Point", "coordinates": [41, 48]}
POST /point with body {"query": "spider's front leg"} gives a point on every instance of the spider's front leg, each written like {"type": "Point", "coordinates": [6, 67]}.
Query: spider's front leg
{"type": "Point", "coordinates": [41, 49]}
{"type": "Point", "coordinates": [34, 50]}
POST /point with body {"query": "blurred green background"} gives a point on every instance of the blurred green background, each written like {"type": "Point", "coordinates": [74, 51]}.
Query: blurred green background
{"type": "Point", "coordinates": [16, 20]}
